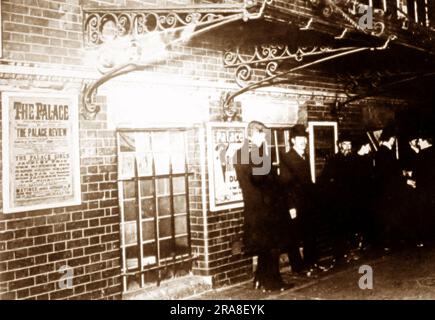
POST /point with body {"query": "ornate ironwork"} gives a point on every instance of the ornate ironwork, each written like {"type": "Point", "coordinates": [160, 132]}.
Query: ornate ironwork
{"type": "Point", "coordinates": [229, 111]}
{"type": "Point", "coordinates": [141, 35]}
{"type": "Point", "coordinates": [282, 77]}
{"type": "Point", "coordinates": [268, 58]}
{"type": "Point", "coordinates": [350, 11]}
{"type": "Point", "coordinates": [107, 24]}
{"type": "Point", "coordinates": [370, 83]}
{"type": "Point", "coordinates": [135, 24]}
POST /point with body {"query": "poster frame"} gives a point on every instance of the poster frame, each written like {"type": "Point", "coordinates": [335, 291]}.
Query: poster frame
{"type": "Point", "coordinates": [211, 126]}
{"type": "Point", "coordinates": [74, 151]}
{"type": "Point", "coordinates": [311, 142]}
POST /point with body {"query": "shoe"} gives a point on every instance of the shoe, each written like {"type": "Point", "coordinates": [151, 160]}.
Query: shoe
{"type": "Point", "coordinates": [325, 268]}
{"type": "Point", "coordinates": [257, 284]}
{"type": "Point", "coordinates": [354, 256]}
{"type": "Point", "coordinates": [311, 270]}
{"type": "Point", "coordinates": [278, 286]}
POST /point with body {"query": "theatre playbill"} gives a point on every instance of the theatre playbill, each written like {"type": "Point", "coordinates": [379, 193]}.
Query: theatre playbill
{"type": "Point", "coordinates": [40, 151]}
{"type": "Point", "coordinates": [224, 139]}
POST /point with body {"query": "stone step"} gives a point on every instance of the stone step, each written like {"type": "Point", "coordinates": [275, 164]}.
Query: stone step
{"type": "Point", "coordinates": [172, 289]}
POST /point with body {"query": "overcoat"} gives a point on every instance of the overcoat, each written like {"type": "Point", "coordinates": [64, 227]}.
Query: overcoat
{"type": "Point", "coordinates": [295, 175]}
{"type": "Point", "coordinates": [389, 185]}
{"type": "Point", "coordinates": [425, 179]}
{"type": "Point", "coordinates": [265, 219]}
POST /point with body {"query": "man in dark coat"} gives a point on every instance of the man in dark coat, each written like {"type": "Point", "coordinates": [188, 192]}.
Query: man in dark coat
{"type": "Point", "coordinates": [388, 179]}
{"type": "Point", "coordinates": [364, 189]}
{"type": "Point", "coordinates": [425, 182]}
{"type": "Point", "coordinates": [412, 225]}
{"type": "Point", "coordinates": [338, 178]}
{"type": "Point", "coordinates": [296, 177]}
{"type": "Point", "coordinates": [264, 219]}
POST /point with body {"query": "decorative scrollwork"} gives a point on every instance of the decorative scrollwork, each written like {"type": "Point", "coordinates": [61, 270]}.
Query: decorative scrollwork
{"type": "Point", "coordinates": [89, 108]}
{"type": "Point", "coordinates": [229, 111]}
{"type": "Point", "coordinates": [140, 37]}
{"type": "Point", "coordinates": [368, 81]}
{"type": "Point", "coordinates": [327, 11]}
{"type": "Point", "coordinates": [266, 53]}
{"type": "Point", "coordinates": [268, 58]}
{"type": "Point", "coordinates": [378, 28]}
{"type": "Point", "coordinates": [136, 23]}
{"type": "Point", "coordinates": [350, 11]}
{"type": "Point", "coordinates": [271, 68]}
{"type": "Point", "coordinates": [243, 74]}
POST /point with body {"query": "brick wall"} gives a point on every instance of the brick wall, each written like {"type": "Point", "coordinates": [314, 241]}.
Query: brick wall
{"type": "Point", "coordinates": [35, 245]}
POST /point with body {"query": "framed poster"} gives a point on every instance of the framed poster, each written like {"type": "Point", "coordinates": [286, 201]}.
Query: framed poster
{"type": "Point", "coordinates": [323, 137]}
{"type": "Point", "coordinates": [224, 139]}
{"type": "Point", "coordinates": [41, 164]}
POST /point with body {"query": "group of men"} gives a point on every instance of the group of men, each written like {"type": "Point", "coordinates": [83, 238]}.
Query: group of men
{"type": "Point", "coordinates": [366, 195]}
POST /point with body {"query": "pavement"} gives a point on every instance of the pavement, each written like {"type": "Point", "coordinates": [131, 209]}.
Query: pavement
{"type": "Point", "coordinates": [403, 273]}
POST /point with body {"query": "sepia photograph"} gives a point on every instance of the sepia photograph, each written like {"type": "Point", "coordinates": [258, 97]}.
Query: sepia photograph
{"type": "Point", "coordinates": [235, 151]}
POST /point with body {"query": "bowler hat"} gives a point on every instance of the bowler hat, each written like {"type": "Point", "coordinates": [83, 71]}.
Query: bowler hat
{"type": "Point", "coordinates": [426, 132]}
{"type": "Point", "coordinates": [360, 140]}
{"type": "Point", "coordinates": [388, 132]}
{"type": "Point", "coordinates": [298, 130]}
{"type": "Point", "coordinates": [413, 134]}
{"type": "Point", "coordinates": [344, 136]}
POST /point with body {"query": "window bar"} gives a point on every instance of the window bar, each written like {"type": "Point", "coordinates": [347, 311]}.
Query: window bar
{"type": "Point", "coordinates": [121, 224]}
{"type": "Point", "coordinates": [156, 219]}
{"type": "Point", "coordinates": [139, 222]}
{"type": "Point", "coordinates": [171, 202]}
{"type": "Point", "coordinates": [186, 190]}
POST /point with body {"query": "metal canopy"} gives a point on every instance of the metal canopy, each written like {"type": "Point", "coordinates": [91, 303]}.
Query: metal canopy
{"type": "Point", "coordinates": [331, 26]}
{"type": "Point", "coordinates": [172, 25]}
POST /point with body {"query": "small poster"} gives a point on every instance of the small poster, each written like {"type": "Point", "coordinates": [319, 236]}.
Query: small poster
{"type": "Point", "coordinates": [40, 151]}
{"type": "Point", "coordinates": [224, 139]}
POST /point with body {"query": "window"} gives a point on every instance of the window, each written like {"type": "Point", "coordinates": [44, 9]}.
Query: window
{"type": "Point", "coordinates": [154, 205]}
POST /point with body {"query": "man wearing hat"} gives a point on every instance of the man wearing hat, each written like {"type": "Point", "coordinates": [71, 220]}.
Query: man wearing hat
{"type": "Point", "coordinates": [388, 182]}
{"type": "Point", "coordinates": [338, 179]}
{"type": "Point", "coordinates": [363, 188]}
{"type": "Point", "coordinates": [264, 216]}
{"type": "Point", "coordinates": [297, 182]}
{"type": "Point", "coordinates": [412, 212]}
{"type": "Point", "coordinates": [425, 181]}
